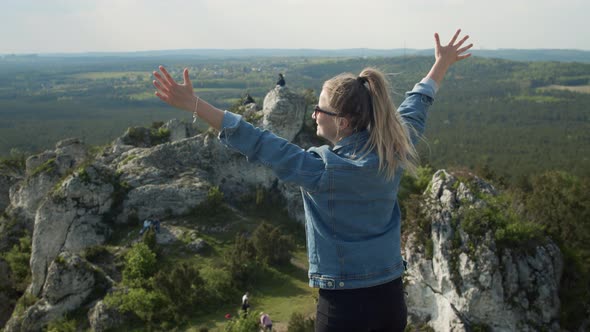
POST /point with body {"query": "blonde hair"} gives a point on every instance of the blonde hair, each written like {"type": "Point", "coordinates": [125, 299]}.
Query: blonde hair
{"type": "Point", "coordinates": [364, 100]}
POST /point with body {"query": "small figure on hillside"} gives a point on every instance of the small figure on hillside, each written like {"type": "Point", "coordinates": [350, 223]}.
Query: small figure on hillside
{"type": "Point", "coordinates": [265, 322]}
{"type": "Point", "coordinates": [146, 225]}
{"type": "Point", "coordinates": [156, 224]}
{"type": "Point", "coordinates": [245, 303]}
{"type": "Point", "coordinates": [281, 81]}
{"type": "Point", "coordinates": [248, 100]}
{"type": "Point", "coordinates": [151, 222]}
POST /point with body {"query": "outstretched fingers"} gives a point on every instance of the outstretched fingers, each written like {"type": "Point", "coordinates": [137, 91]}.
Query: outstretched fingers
{"type": "Point", "coordinates": [462, 50]}
{"type": "Point", "coordinates": [462, 41]}
{"type": "Point", "coordinates": [437, 40]}
{"type": "Point", "coordinates": [167, 75]}
{"type": "Point", "coordinates": [452, 42]}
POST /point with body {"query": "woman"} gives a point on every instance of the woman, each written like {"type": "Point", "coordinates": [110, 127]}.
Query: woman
{"type": "Point", "coordinates": [349, 190]}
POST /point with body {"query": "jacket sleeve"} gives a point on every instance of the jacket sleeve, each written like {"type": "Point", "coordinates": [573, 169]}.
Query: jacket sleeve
{"type": "Point", "coordinates": [414, 108]}
{"type": "Point", "coordinates": [289, 162]}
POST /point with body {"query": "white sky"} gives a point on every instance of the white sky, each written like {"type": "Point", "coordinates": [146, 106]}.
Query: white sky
{"type": "Point", "coordinates": [42, 26]}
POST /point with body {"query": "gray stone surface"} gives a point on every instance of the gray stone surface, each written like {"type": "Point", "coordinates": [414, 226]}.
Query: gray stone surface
{"type": "Point", "coordinates": [508, 290]}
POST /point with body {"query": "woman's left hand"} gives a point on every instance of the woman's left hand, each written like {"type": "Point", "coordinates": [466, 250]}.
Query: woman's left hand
{"type": "Point", "coordinates": [175, 94]}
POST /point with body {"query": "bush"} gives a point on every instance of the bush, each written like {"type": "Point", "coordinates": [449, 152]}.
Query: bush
{"type": "Point", "coordinates": [96, 253]}
{"type": "Point", "coordinates": [298, 323]}
{"type": "Point", "coordinates": [185, 288]}
{"type": "Point", "coordinates": [62, 325]}
{"type": "Point", "coordinates": [18, 260]}
{"type": "Point", "coordinates": [218, 283]}
{"type": "Point", "coordinates": [241, 262]}
{"type": "Point", "coordinates": [411, 185]}
{"type": "Point", "coordinates": [272, 247]}
{"type": "Point", "coordinates": [146, 305]}
{"type": "Point", "coordinates": [508, 226]}
{"type": "Point", "coordinates": [213, 208]}
{"type": "Point", "coordinates": [149, 239]}
{"type": "Point", "coordinates": [140, 265]}
{"type": "Point", "coordinates": [243, 323]}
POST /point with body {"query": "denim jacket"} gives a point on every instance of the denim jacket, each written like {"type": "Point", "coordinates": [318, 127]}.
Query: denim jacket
{"type": "Point", "coordinates": [351, 210]}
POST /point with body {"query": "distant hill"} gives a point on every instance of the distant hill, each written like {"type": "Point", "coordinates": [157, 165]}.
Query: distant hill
{"type": "Point", "coordinates": [562, 55]}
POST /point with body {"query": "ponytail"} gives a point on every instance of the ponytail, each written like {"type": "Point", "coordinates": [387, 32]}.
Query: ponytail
{"type": "Point", "coordinates": [366, 102]}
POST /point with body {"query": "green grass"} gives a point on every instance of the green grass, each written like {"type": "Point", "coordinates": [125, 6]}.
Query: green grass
{"type": "Point", "coordinates": [279, 293]}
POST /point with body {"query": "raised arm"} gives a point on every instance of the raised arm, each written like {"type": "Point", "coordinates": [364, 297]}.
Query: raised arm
{"type": "Point", "coordinates": [181, 95]}
{"type": "Point", "coordinates": [414, 108]}
{"type": "Point", "coordinates": [289, 162]}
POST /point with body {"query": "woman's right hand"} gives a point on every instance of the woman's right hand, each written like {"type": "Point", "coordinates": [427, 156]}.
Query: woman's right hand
{"type": "Point", "coordinates": [447, 55]}
{"type": "Point", "coordinates": [175, 94]}
{"type": "Point", "coordinates": [451, 52]}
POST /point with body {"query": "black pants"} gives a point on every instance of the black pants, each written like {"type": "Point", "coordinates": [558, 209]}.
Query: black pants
{"type": "Point", "coordinates": [379, 308]}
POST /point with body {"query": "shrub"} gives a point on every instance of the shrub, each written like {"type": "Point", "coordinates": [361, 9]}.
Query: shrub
{"type": "Point", "coordinates": [298, 323]}
{"type": "Point", "coordinates": [149, 239]}
{"type": "Point", "coordinates": [145, 304]}
{"type": "Point", "coordinates": [241, 262]}
{"type": "Point", "coordinates": [140, 265]}
{"type": "Point", "coordinates": [24, 302]}
{"type": "Point", "coordinates": [272, 247]}
{"type": "Point", "coordinates": [62, 325]}
{"type": "Point", "coordinates": [95, 253]}
{"type": "Point", "coordinates": [411, 185]}
{"type": "Point", "coordinates": [185, 288]}
{"type": "Point", "coordinates": [509, 227]}
{"type": "Point", "coordinates": [218, 283]}
{"type": "Point", "coordinates": [18, 260]}
{"type": "Point", "coordinates": [16, 161]}
{"type": "Point", "coordinates": [243, 323]}
{"type": "Point", "coordinates": [46, 167]}
{"type": "Point", "coordinates": [159, 136]}
{"type": "Point", "coordinates": [213, 208]}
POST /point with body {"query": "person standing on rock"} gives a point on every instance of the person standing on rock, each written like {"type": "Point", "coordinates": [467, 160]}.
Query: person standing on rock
{"type": "Point", "coordinates": [281, 81]}
{"type": "Point", "coordinates": [349, 189]}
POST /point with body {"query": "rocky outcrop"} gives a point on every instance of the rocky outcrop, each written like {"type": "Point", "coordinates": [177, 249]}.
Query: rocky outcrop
{"type": "Point", "coordinates": [103, 318]}
{"type": "Point", "coordinates": [457, 280]}
{"type": "Point", "coordinates": [71, 219]}
{"type": "Point", "coordinates": [283, 112]}
{"type": "Point", "coordinates": [43, 171]}
{"type": "Point", "coordinates": [71, 282]}
{"type": "Point", "coordinates": [75, 200]}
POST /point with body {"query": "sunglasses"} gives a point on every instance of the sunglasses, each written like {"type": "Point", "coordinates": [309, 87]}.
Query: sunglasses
{"type": "Point", "coordinates": [318, 109]}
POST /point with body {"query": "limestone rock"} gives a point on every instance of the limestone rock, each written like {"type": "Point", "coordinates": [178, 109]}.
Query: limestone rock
{"type": "Point", "coordinates": [8, 178]}
{"type": "Point", "coordinates": [463, 284]}
{"type": "Point", "coordinates": [44, 171]}
{"type": "Point", "coordinates": [283, 112]}
{"type": "Point", "coordinates": [71, 219]}
{"type": "Point", "coordinates": [180, 130]}
{"type": "Point", "coordinates": [103, 318]}
{"type": "Point", "coordinates": [70, 282]}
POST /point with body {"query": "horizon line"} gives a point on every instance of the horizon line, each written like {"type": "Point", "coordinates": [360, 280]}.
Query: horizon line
{"type": "Point", "coordinates": [279, 49]}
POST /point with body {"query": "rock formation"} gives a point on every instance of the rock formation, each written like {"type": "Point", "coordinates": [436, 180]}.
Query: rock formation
{"type": "Point", "coordinates": [465, 280]}
{"type": "Point", "coordinates": [74, 199]}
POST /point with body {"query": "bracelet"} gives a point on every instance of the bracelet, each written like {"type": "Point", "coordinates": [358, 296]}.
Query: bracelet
{"type": "Point", "coordinates": [195, 114]}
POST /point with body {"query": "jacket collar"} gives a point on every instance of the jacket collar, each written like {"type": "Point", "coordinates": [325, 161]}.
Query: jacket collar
{"type": "Point", "coordinates": [358, 139]}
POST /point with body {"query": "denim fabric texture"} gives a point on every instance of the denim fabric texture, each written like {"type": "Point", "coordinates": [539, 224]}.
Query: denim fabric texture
{"type": "Point", "coordinates": [351, 210]}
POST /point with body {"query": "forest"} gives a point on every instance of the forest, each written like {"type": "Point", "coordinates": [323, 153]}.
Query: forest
{"type": "Point", "coordinates": [510, 117]}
